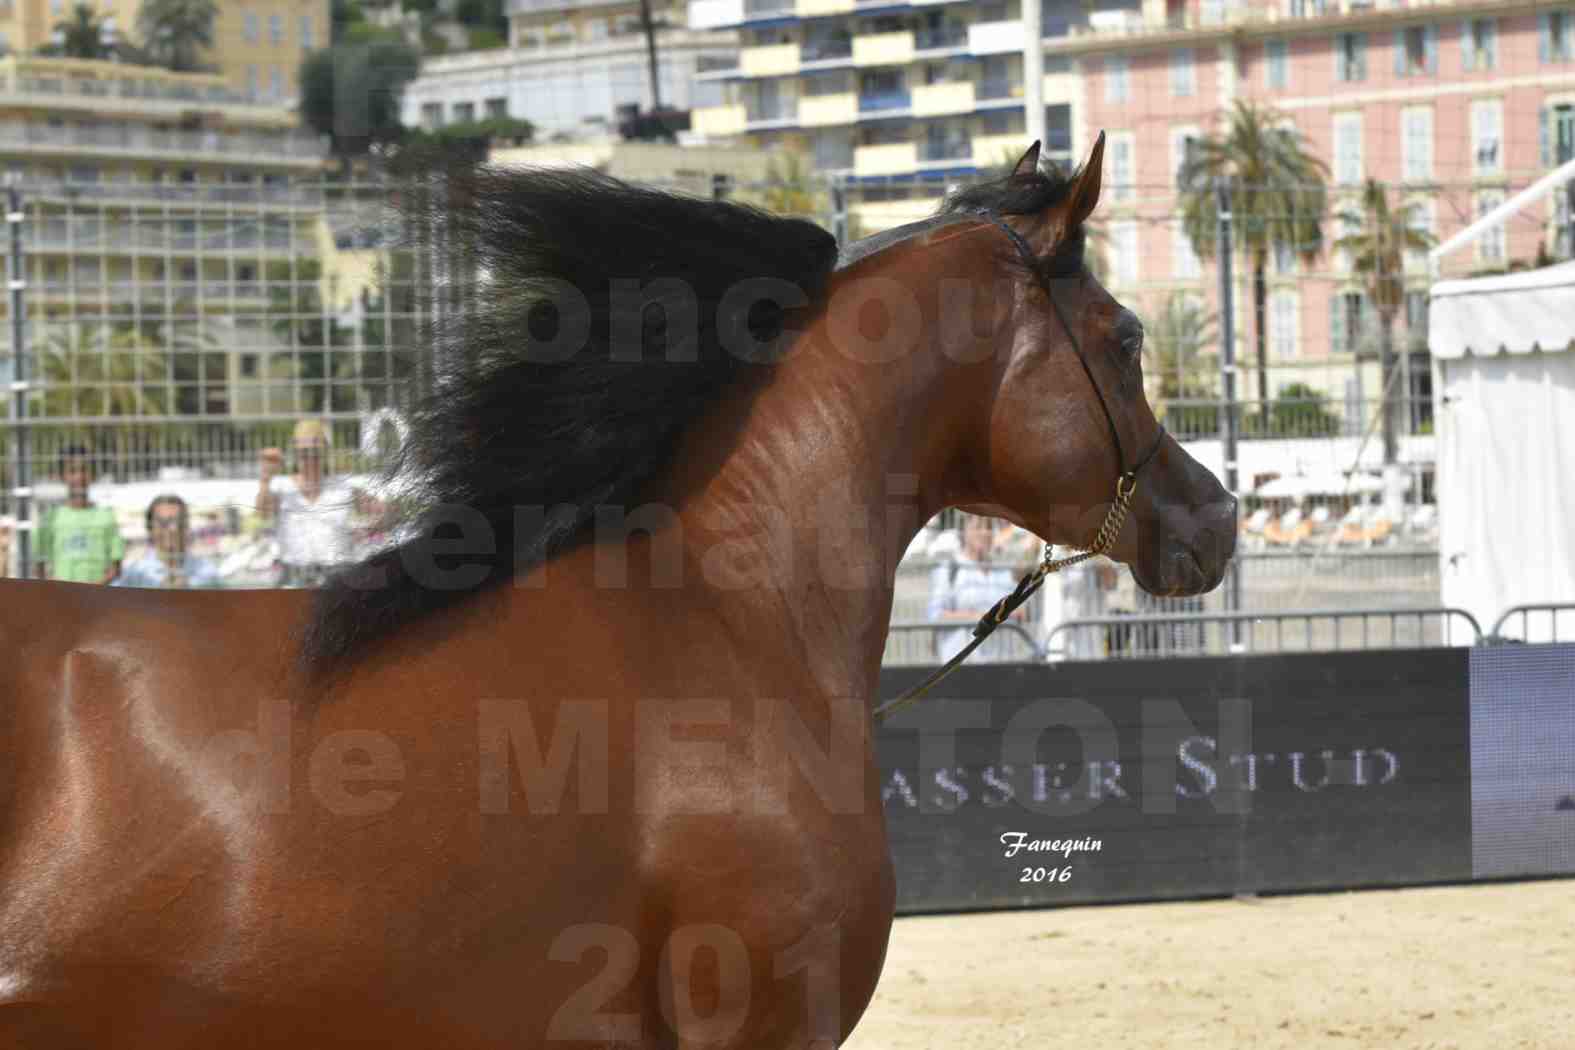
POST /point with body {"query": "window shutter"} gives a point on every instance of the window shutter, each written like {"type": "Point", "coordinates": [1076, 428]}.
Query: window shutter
{"type": "Point", "coordinates": [1400, 56]}
{"type": "Point", "coordinates": [1545, 135]}
{"type": "Point", "coordinates": [1545, 37]}
{"type": "Point", "coordinates": [1468, 51]}
{"type": "Point", "coordinates": [1361, 56]}
{"type": "Point", "coordinates": [1337, 329]}
{"type": "Point", "coordinates": [1430, 48]}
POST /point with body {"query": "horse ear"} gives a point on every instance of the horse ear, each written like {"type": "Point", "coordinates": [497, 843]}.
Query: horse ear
{"type": "Point", "coordinates": [1029, 162]}
{"type": "Point", "coordinates": [1085, 191]}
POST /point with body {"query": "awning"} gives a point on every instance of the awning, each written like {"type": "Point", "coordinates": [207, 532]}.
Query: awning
{"type": "Point", "coordinates": [1515, 313]}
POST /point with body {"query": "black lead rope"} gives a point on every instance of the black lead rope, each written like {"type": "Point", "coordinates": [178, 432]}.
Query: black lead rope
{"type": "Point", "coordinates": [1126, 485]}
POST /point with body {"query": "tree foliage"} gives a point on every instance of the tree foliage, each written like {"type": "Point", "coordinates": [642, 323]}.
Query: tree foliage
{"type": "Point", "coordinates": [174, 32]}
{"type": "Point", "coordinates": [352, 93]}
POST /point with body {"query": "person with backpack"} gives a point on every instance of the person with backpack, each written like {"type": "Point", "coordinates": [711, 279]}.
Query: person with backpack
{"type": "Point", "coordinates": [78, 542]}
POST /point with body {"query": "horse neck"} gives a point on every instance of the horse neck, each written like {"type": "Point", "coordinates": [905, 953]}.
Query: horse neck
{"type": "Point", "coordinates": [835, 465]}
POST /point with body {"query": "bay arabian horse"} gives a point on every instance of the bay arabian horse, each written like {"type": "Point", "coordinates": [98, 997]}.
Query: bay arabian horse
{"type": "Point", "coordinates": [584, 761]}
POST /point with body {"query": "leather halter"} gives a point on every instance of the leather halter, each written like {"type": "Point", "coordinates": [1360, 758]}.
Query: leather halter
{"type": "Point", "coordinates": [1126, 486]}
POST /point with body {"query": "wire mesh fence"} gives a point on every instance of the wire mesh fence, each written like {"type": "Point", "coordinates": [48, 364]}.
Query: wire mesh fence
{"type": "Point", "coordinates": [176, 332]}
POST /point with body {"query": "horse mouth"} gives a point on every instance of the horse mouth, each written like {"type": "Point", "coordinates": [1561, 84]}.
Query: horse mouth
{"type": "Point", "coordinates": [1181, 574]}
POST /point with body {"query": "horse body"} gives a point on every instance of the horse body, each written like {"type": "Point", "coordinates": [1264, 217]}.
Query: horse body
{"type": "Point", "coordinates": [628, 799]}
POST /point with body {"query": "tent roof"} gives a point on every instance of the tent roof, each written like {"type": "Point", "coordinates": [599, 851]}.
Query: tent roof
{"type": "Point", "coordinates": [1515, 313]}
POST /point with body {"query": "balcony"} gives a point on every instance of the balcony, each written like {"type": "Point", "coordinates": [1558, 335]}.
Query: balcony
{"type": "Point", "coordinates": [719, 121]}
{"type": "Point", "coordinates": [762, 10]}
{"type": "Point", "coordinates": [997, 90]}
{"type": "Point", "coordinates": [123, 238]}
{"type": "Point", "coordinates": [828, 110]}
{"type": "Point", "coordinates": [996, 38]}
{"type": "Point", "coordinates": [818, 8]}
{"type": "Point", "coordinates": [883, 49]}
{"type": "Point", "coordinates": [896, 158]}
{"type": "Point", "coordinates": [143, 89]}
{"type": "Point", "coordinates": [995, 151]}
{"type": "Point", "coordinates": [774, 61]}
{"type": "Point", "coordinates": [125, 139]}
{"type": "Point", "coordinates": [885, 102]}
{"type": "Point", "coordinates": [764, 117]}
{"type": "Point", "coordinates": [931, 100]}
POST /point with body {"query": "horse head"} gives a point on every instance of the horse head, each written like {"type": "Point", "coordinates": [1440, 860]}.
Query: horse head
{"type": "Point", "coordinates": [1068, 425]}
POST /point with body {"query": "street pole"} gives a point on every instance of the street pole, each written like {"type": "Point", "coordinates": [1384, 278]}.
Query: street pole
{"type": "Point", "coordinates": [1228, 384]}
{"type": "Point", "coordinates": [20, 481]}
{"type": "Point", "coordinates": [1034, 73]}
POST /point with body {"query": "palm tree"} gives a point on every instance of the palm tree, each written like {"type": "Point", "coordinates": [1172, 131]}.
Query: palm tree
{"type": "Point", "coordinates": [1277, 197]}
{"type": "Point", "coordinates": [175, 31]}
{"type": "Point", "coordinates": [1377, 249]}
{"type": "Point", "coordinates": [1177, 369]}
{"type": "Point", "coordinates": [83, 35]}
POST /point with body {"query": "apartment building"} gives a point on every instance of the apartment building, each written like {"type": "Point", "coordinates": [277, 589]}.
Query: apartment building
{"type": "Point", "coordinates": [1454, 104]}
{"type": "Point", "coordinates": [570, 69]}
{"type": "Point", "coordinates": [167, 247]}
{"type": "Point", "coordinates": [257, 44]}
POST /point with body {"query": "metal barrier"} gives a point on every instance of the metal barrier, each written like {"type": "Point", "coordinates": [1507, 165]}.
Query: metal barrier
{"type": "Point", "coordinates": [1556, 613]}
{"type": "Point", "coordinates": [911, 643]}
{"type": "Point", "coordinates": [1212, 634]}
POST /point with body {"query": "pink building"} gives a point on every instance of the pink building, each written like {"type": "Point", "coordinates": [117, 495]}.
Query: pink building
{"type": "Point", "coordinates": [1453, 105]}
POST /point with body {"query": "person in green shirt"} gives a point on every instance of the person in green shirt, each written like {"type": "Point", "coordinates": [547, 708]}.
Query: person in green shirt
{"type": "Point", "coordinates": [78, 542]}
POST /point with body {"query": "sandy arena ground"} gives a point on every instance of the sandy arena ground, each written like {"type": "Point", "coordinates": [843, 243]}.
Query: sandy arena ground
{"type": "Point", "coordinates": [1443, 968]}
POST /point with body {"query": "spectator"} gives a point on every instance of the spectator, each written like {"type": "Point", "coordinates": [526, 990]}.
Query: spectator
{"type": "Point", "coordinates": [311, 511]}
{"type": "Point", "coordinates": [1085, 592]}
{"type": "Point", "coordinates": [964, 587]}
{"type": "Point", "coordinates": [78, 542]}
{"type": "Point", "coordinates": [168, 562]}
{"type": "Point", "coordinates": [7, 531]}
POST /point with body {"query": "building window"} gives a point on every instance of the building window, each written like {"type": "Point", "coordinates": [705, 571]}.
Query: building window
{"type": "Point", "coordinates": [249, 30]}
{"type": "Point", "coordinates": [431, 115]}
{"type": "Point", "coordinates": [1350, 57]}
{"type": "Point", "coordinates": [276, 29]}
{"type": "Point", "coordinates": [1123, 180]}
{"type": "Point", "coordinates": [1116, 79]}
{"type": "Point", "coordinates": [497, 108]}
{"type": "Point", "coordinates": [1283, 335]}
{"type": "Point", "coordinates": [464, 112]}
{"type": "Point", "coordinates": [307, 42]}
{"type": "Point", "coordinates": [1556, 134]}
{"type": "Point", "coordinates": [1348, 148]}
{"type": "Point", "coordinates": [1416, 144]}
{"type": "Point", "coordinates": [251, 82]}
{"type": "Point", "coordinates": [1422, 217]}
{"type": "Point", "coordinates": [1416, 51]}
{"type": "Point", "coordinates": [1490, 246]}
{"type": "Point", "coordinates": [1347, 313]}
{"type": "Point", "coordinates": [1124, 248]}
{"type": "Point", "coordinates": [1479, 44]}
{"type": "Point", "coordinates": [1183, 147]}
{"type": "Point", "coordinates": [1184, 264]}
{"type": "Point", "coordinates": [1487, 125]}
{"type": "Point", "coordinates": [1554, 36]}
{"type": "Point", "coordinates": [1182, 79]}
{"type": "Point", "coordinates": [1276, 57]}
{"type": "Point", "coordinates": [275, 83]}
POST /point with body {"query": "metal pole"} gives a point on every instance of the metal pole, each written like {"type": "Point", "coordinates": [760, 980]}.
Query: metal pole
{"type": "Point", "coordinates": [1228, 382]}
{"type": "Point", "coordinates": [1569, 217]}
{"type": "Point", "coordinates": [20, 480]}
{"type": "Point", "coordinates": [648, 26]}
{"type": "Point", "coordinates": [1034, 73]}
{"type": "Point", "coordinates": [839, 211]}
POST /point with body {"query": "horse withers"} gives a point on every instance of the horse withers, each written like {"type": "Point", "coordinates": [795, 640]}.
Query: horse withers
{"type": "Point", "coordinates": [586, 760]}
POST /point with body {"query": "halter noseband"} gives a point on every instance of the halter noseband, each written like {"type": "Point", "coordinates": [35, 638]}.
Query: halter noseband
{"type": "Point", "coordinates": [1126, 487]}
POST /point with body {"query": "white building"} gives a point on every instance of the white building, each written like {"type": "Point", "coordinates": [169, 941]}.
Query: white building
{"type": "Point", "coordinates": [570, 66]}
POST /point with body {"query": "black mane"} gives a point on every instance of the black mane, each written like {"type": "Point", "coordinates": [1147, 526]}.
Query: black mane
{"type": "Point", "coordinates": [515, 425]}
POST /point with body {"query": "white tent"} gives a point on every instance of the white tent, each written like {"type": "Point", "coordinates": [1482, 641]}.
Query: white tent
{"type": "Point", "coordinates": [1504, 400]}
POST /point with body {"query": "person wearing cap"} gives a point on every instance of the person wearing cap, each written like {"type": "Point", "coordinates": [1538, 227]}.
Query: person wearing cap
{"type": "Point", "coordinates": [311, 511]}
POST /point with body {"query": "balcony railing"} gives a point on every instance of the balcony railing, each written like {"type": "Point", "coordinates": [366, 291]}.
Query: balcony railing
{"type": "Point", "coordinates": [178, 193]}
{"type": "Point", "coordinates": [884, 100]}
{"type": "Point", "coordinates": [155, 90]}
{"type": "Point", "coordinates": [716, 63]}
{"type": "Point", "coordinates": [123, 238]}
{"type": "Point", "coordinates": [769, 8]}
{"type": "Point", "coordinates": [764, 114]}
{"type": "Point", "coordinates": [142, 140]}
